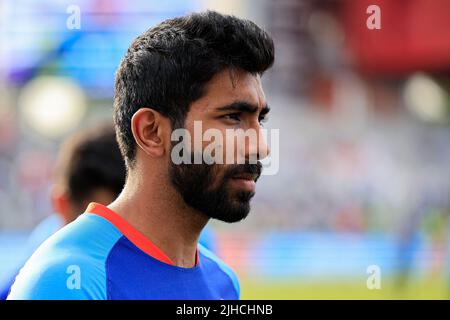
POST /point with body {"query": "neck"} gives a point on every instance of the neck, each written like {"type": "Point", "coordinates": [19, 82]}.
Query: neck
{"type": "Point", "coordinates": [156, 209]}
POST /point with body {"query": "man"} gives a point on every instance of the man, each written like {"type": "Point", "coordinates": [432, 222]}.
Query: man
{"type": "Point", "coordinates": [89, 168]}
{"type": "Point", "coordinates": [199, 68]}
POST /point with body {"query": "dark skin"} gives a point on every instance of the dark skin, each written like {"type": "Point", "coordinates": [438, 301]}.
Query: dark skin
{"type": "Point", "coordinates": [149, 202]}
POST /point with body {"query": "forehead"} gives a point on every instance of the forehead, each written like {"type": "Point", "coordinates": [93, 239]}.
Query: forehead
{"type": "Point", "coordinates": [229, 86]}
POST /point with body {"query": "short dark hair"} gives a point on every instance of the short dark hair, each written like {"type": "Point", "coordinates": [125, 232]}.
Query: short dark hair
{"type": "Point", "coordinates": [90, 160]}
{"type": "Point", "coordinates": [167, 67]}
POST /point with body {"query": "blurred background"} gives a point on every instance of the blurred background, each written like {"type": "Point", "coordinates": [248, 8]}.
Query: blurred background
{"type": "Point", "coordinates": [364, 119]}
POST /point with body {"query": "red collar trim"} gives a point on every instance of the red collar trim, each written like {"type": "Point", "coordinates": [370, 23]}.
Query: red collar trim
{"type": "Point", "coordinates": [137, 238]}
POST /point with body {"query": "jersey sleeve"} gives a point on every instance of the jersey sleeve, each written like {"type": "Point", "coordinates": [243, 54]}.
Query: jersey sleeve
{"type": "Point", "coordinates": [62, 278]}
{"type": "Point", "coordinates": [234, 279]}
{"type": "Point", "coordinates": [69, 265]}
{"type": "Point", "coordinates": [224, 267]}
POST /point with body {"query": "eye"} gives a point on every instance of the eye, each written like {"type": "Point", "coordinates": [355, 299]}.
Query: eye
{"type": "Point", "coordinates": [263, 119]}
{"type": "Point", "coordinates": [233, 116]}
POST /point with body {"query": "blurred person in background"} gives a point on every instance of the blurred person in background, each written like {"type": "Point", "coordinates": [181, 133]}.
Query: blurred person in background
{"type": "Point", "coordinates": [89, 169]}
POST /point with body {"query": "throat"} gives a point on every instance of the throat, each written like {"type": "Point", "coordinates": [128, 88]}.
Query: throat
{"type": "Point", "coordinates": [172, 235]}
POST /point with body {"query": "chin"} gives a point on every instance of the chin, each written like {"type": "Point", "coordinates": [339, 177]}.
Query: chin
{"type": "Point", "coordinates": [234, 212]}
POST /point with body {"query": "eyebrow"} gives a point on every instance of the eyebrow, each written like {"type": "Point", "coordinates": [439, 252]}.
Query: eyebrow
{"type": "Point", "coordinates": [243, 106]}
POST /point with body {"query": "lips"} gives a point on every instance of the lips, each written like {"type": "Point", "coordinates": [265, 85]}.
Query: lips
{"type": "Point", "coordinates": [246, 176]}
{"type": "Point", "coordinates": [245, 181]}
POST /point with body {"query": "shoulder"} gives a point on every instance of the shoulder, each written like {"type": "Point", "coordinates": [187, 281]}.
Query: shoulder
{"type": "Point", "coordinates": [70, 264]}
{"type": "Point", "coordinates": [222, 266]}
{"type": "Point", "coordinates": [43, 230]}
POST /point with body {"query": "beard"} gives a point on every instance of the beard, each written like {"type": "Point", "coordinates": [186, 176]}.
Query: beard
{"type": "Point", "coordinates": [200, 189]}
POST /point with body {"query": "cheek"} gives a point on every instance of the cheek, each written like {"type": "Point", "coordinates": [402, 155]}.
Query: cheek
{"type": "Point", "coordinates": [218, 174]}
{"type": "Point", "coordinates": [212, 140]}
{"type": "Point", "coordinates": [229, 148]}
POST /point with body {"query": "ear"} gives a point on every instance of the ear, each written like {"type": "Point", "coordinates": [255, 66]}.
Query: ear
{"type": "Point", "coordinates": [60, 203]}
{"type": "Point", "coordinates": [148, 127]}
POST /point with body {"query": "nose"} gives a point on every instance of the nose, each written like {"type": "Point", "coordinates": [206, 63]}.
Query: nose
{"type": "Point", "coordinates": [259, 149]}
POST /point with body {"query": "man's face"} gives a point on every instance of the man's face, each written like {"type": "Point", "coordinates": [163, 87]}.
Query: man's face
{"type": "Point", "coordinates": [234, 100]}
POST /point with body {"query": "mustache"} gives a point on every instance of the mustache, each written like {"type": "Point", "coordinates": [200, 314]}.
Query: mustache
{"type": "Point", "coordinates": [244, 168]}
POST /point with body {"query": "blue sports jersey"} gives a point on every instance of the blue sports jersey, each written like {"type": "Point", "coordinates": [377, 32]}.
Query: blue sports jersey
{"type": "Point", "coordinates": [43, 230]}
{"type": "Point", "coordinates": [101, 256]}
